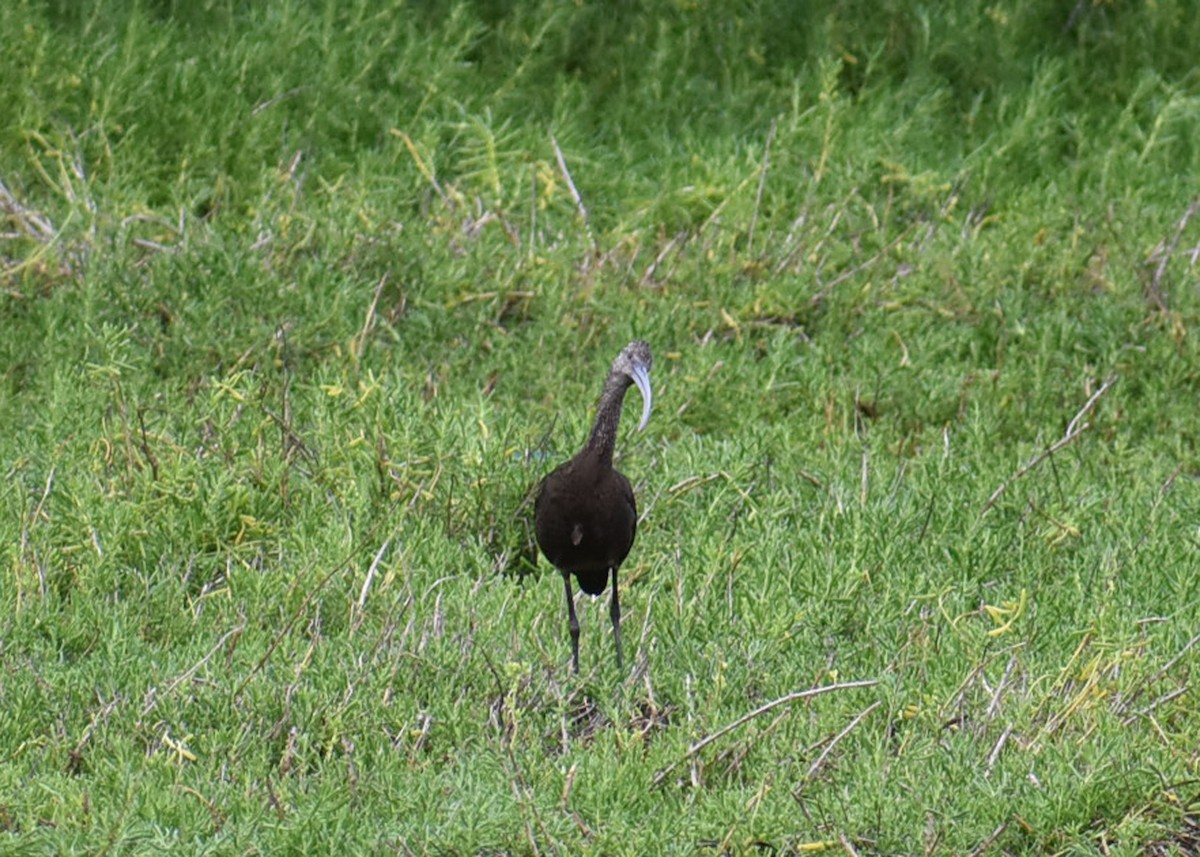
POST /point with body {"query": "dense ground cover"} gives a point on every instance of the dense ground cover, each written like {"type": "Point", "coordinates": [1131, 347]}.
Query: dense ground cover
{"type": "Point", "coordinates": [300, 300]}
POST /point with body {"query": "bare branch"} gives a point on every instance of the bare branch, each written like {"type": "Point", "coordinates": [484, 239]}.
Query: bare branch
{"type": "Point", "coordinates": [154, 698]}
{"type": "Point", "coordinates": [1108, 382]}
{"type": "Point", "coordinates": [995, 754]}
{"type": "Point", "coordinates": [820, 760]}
{"type": "Point", "coordinates": [366, 587]}
{"type": "Point", "coordinates": [986, 844]}
{"type": "Point", "coordinates": [1164, 254]}
{"type": "Point", "coordinates": [1163, 670]}
{"type": "Point", "coordinates": [1074, 430]}
{"type": "Point", "coordinates": [758, 712]}
{"type": "Point", "coordinates": [579, 206]}
{"type": "Point", "coordinates": [359, 344]}
{"type": "Point", "coordinates": [762, 181]}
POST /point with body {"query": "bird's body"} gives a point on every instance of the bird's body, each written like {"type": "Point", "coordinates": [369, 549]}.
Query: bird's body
{"type": "Point", "coordinates": [598, 504]}
{"type": "Point", "coordinates": [585, 515]}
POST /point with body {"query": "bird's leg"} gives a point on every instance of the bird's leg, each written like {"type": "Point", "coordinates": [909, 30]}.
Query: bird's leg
{"type": "Point", "coordinates": [614, 609]}
{"type": "Point", "coordinates": [573, 622]}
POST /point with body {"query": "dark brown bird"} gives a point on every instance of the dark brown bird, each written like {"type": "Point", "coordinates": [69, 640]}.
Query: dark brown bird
{"type": "Point", "coordinates": [585, 515]}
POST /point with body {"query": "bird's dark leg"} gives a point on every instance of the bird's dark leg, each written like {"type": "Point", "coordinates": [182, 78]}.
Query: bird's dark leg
{"type": "Point", "coordinates": [573, 623]}
{"type": "Point", "coordinates": [614, 609]}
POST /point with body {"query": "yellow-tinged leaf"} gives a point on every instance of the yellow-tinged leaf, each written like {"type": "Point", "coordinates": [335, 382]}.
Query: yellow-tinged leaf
{"type": "Point", "coordinates": [1011, 610]}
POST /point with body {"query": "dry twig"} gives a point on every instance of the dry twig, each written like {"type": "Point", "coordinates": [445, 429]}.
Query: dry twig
{"type": "Point", "coordinates": [833, 742]}
{"type": "Point", "coordinates": [366, 587]}
{"type": "Point", "coordinates": [579, 206]}
{"type": "Point", "coordinates": [762, 181]}
{"type": "Point", "coordinates": [758, 712]}
{"type": "Point", "coordinates": [358, 344]}
{"type": "Point", "coordinates": [1133, 695]}
{"type": "Point", "coordinates": [1074, 430]}
{"type": "Point", "coordinates": [153, 699]}
{"type": "Point", "coordinates": [995, 754]}
{"type": "Point", "coordinates": [986, 844]}
{"type": "Point", "coordinates": [1163, 255]}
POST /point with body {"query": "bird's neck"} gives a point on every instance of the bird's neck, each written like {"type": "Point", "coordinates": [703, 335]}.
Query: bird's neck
{"type": "Point", "coordinates": [608, 417]}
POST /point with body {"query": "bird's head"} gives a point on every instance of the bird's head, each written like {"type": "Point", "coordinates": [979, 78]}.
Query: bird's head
{"type": "Point", "coordinates": [634, 362]}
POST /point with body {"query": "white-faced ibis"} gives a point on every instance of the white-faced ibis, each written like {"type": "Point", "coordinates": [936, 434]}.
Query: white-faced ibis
{"type": "Point", "coordinates": [585, 516]}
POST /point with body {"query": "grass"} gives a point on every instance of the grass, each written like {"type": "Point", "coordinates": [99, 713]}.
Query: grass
{"type": "Point", "coordinates": [301, 300]}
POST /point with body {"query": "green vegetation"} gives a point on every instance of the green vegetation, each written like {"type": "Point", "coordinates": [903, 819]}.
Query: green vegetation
{"type": "Point", "coordinates": [300, 300]}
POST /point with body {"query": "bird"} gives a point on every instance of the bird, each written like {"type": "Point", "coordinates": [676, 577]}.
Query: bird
{"type": "Point", "coordinates": [585, 516]}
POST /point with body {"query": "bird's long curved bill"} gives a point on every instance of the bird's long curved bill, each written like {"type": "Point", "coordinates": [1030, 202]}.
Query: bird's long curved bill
{"type": "Point", "coordinates": [641, 377]}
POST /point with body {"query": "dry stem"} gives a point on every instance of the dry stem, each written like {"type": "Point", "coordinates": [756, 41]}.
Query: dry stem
{"type": "Point", "coordinates": [1074, 430]}
{"type": "Point", "coordinates": [762, 709]}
